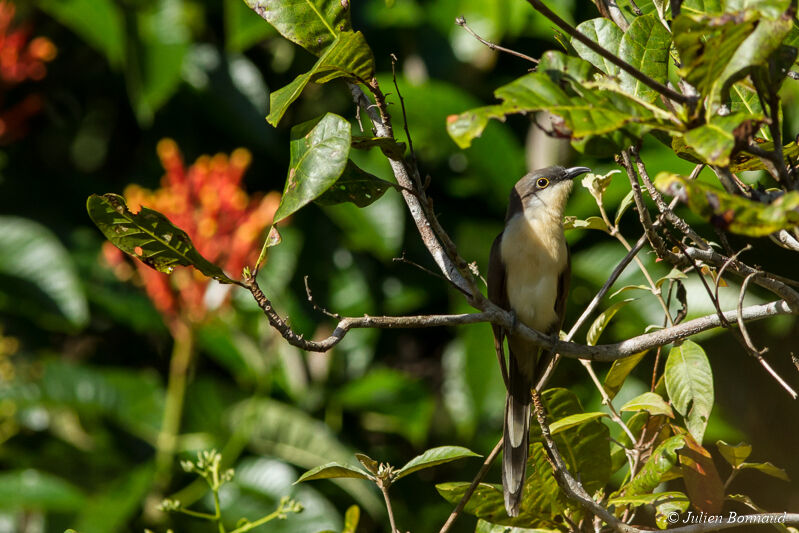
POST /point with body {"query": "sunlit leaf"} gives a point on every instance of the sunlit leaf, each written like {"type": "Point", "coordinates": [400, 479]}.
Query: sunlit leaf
{"type": "Point", "coordinates": [717, 140]}
{"type": "Point", "coordinates": [659, 465]}
{"type": "Point", "coordinates": [650, 402]}
{"type": "Point", "coordinates": [572, 222]}
{"type": "Point", "coordinates": [333, 471]}
{"type": "Point", "coordinates": [351, 519]}
{"type": "Point", "coordinates": [319, 154]}
{"type": "Point", "coordinates": [689, 382]}
{"type": "Point", "coordinates": [767, 468]}
{"type": "Point", "coordinates": [349, 56]}
{"type": "Point", "coordinates": [665, 503]}
{"type": "Point", "coordinates": [645, 45]}
{"type": "Point", "coordinates": [148, 236]}
{"type": "Point", "coordinates": [433, 457]}
{"type": "Point", "coordinates": [312, 24]}
{"type": "Point", "coordinates": [627, 201]}
{"type": "Point", "coordinates": [604, 32]}
{"type": "Point", "coordinates": [573, 420]}
{"type": "Point", "coordinates": [733, 213]}
{"type": "Point", "coordinates": [618, 373]}
{"type": "Point", "coordinates": [602, 321]}
{"type": "Point", "coordinates": [734, 454]}
{"type": "Point", "coordinates": [367, 462]}
{"type": "Point", "coordinates": [488, 527]}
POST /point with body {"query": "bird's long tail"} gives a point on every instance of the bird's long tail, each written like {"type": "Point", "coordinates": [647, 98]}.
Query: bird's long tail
{"type": "Point", "coordinates": [516, 435]}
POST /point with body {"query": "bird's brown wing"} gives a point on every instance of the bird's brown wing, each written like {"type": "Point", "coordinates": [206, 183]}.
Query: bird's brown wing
{"type": "Point", "coordinates": [498, 294]}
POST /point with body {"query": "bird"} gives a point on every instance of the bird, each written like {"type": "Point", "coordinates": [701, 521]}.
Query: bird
{"type": "Point", "coordinates": [528, 275]}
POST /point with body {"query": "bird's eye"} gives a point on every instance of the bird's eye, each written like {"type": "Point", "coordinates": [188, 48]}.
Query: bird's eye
{"type": "Point", "coordinates": [542, 183]}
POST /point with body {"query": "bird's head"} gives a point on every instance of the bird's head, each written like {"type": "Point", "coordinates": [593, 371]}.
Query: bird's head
{"type": "Point", "coordinates": [545, 189]}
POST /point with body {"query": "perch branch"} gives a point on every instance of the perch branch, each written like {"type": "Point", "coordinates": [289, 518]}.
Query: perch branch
{"type": "Point", "coordinates": [461, 21]}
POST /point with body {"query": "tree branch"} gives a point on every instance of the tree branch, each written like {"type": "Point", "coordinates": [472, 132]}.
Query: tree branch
{"type": "Point", "coordinates": [461, 21]}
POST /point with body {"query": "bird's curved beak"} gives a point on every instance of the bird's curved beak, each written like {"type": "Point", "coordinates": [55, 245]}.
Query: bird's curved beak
{"type": "Point", "coordinates": [573, 172]}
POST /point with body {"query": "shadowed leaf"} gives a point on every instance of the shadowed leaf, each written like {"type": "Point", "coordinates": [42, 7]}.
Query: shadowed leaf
{"type": "Point", "coordinates": [650, 402]}
{"type": "Point", "coordinates": [718, 140]}
{"type": "Point", "coordinates": [602, 321]}
{"type": "Point", "coordinates": [29, 490]}
{"type": "Point", "coordinates": [767, 468]}
{"type": "Point", "coordinates": [355, 186]}
{"type": "Point", "coordinates": [148, 236]}
{"type": "Point", "coordinates": [658, 467]}
{"type": "Point", "coordinates": [601, 31]}
{"type": "Point", "coordinates": [333, 471]}
{"type": "Point", "coordinates": [702, 481]}
{"type": "Point", "coordinates": [734, 454]}
{"type": "Point", "coordinates": [619, 371]}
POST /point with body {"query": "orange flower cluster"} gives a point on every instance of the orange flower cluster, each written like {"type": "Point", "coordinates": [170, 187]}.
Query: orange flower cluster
{"type": "Point", "coordinates": [207, 202]}
{"type": "Point", "coordinates": [20, 60]}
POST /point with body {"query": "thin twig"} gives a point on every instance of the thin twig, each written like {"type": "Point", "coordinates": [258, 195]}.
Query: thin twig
{"type": "Point", "coordinates": [461, 21]}
{"type": "Point", "coordinates": [317, 307]}
{"type": "Point", "coordinates": [469, 491]}
{"type": "Point", "coordinates": [384, 490]}
{"type": "Point", "coordinates": [758, 354]}
{"type": "Point", "coordinates": [631, 70]}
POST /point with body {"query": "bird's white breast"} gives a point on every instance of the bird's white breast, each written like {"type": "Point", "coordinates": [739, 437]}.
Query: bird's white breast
{"type": "Point", "coordinates": [534, 253]}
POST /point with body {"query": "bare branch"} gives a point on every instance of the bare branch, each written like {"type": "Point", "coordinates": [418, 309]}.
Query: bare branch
{"type": "Point", "coordinates": [461, 21]}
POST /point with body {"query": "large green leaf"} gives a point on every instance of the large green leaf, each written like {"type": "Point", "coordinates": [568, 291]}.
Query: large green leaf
{"type": "Point", "coordinates": [767, 468]}
{"type": "Point", "coordinates": [148, 236]}
{"type": "Point", "coordinates": [601, 31]}
{"type": "Point", "coordinates": [689, 382]}
{"type": "Point", "coordinates": [286, 432]}
{"type": "Point", "coordinates": [348, 56]}
{"type": "Point", "coordinates": [33, 490]}
{"type": "Point", "coordinates": [319, 155]}
{"type": "Point", "coordinates": [650, 402]}
{"type": "Point", "coordinates": [312, 24]}
{"type": "Point", "coordinates": [716, 141]}
{"type": "Point", "coordinates": [99, 22]}
{"type": "Point", "coordinates": [333, 471]}
{"type": "Point", "coordinates": [575, 420]}
{"type": "Point", "coordinates": [30, 253]}
{"type": "Point", "coordinates": [434, 457]}
{"type": "Point", "coordinates": [587, 110]}
{"type": "Point", "coordinates": [645, 45]}
{"type": "Point", "coordinates": [733, 213]}
{"type": "Point", "coordinates": [602, 321]}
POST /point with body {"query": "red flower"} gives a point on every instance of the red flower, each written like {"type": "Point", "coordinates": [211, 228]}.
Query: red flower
{"type": "Point", "coordinates": [224, 223]}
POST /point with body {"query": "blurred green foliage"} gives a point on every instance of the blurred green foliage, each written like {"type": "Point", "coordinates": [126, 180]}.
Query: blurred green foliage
{"type": "Point", "coordinates": [84, 358]}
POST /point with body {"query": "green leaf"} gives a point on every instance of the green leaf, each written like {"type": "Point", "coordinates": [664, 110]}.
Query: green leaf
{"type": "Point", "coordinates": [586, 111]}
{"type": "Point", "coordinates": [689, 382]}
{"type": "Point", "coordinates": [367, 462]}
{"type": "Point", "coordinates": [387, 145]}
{"type": "Point", "coordinates": [243, 27]}
{"type": "Point", "coordinates": [319, 154]}
{"type": "Point", "coordinates": [597, 184]}
{"type": "Point", "coordinates": [650, 402]}
{"type": "Point", "coordinates": [718, 140]}
{"type": "Point", "coordinates": [734, 454]}
{"type": "Point", "coordinates": [488, 527]}
{"type": "Point", "coordinates": [659, 465]}
{"type": "Point", "coordinates": [618, 373]}
{"type": "Point", "coordinates": [351, 519]}
{"type": "Point", "coordinates": [99, 22]}
{"type": "Point", "coordinates": [665, 503]}
{"type": "Point", "coordinates": [31, 253]}
{"type": "Point", "coordinates": [312, 24]}
{"type": "Point", "coordinates": [602, 321]}
{"type": "Point", "coordinates": [288, 433]}
{"type": "Point", "coordinates": [34, 490]}
{"type": "Point", "coordinates": [626, 202]}
{"type": "Point", "coordinates": [601, 31]}
{"type": "Point", "coordinates": [349, 56]}
{"type": "Point", "coordinates": [573, 421]}
{"type": "Point", "coordinates": [744, 161]}
{"type": "Point", "coordinates": [673, 275]}
{"type": "Point", "coordinates": [767, 468]}
{"type": "Point", "coordinates": [488, 503]}
{"type": "Point", "coordinates": [572, 222]}
{"type": "Point", "coordinates": [631, 288]}
{"type": "Point", "coordinates": [109, 509]}
{"type": "Point", "coordinates": [433, 457]}
{"type": "Point", "coordinates": [355, 186]}
{"type": "Point", "coordinates": [733, 213]}
{"type": "Point", "coordinates": [645, 45]}
{"type": "Point", "coordinates": [148, 236]}
{"type": "Point", "coordinates": [334, 471]}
